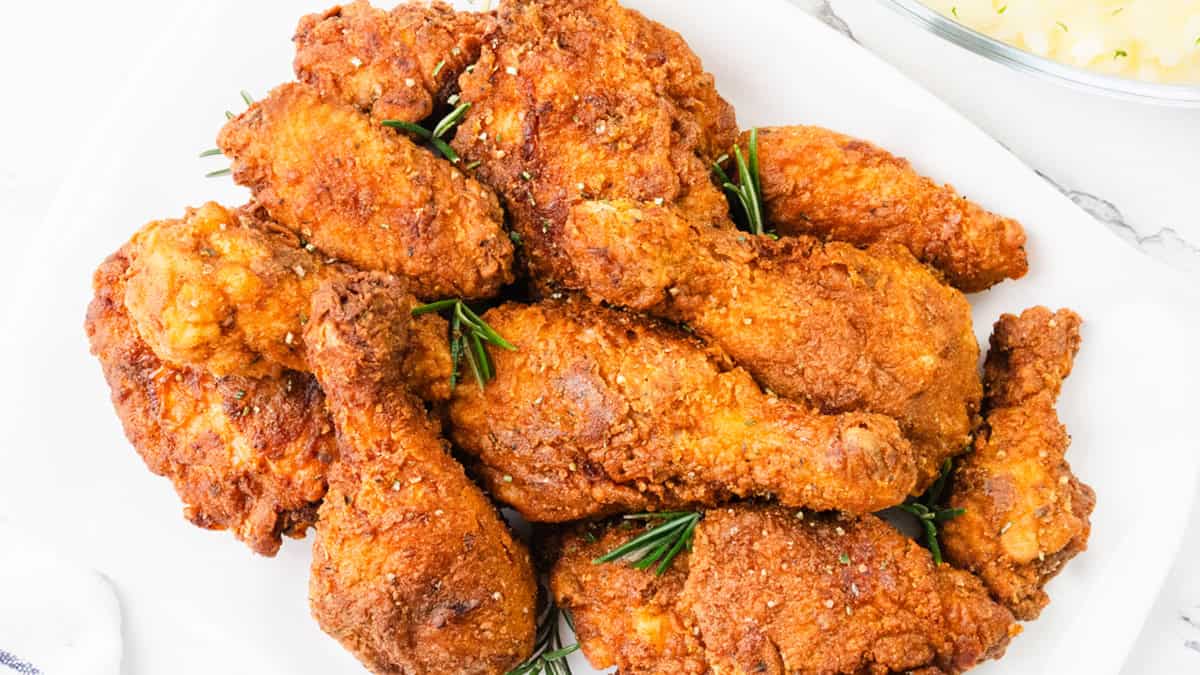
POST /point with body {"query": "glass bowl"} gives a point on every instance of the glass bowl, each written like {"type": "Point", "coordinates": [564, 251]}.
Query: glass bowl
{"type": "Point", "coordinates": [1019, 59]}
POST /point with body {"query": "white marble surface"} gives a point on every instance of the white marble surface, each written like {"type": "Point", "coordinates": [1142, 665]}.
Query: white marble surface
{"type": "Point", "coordinates": [1136, 168]}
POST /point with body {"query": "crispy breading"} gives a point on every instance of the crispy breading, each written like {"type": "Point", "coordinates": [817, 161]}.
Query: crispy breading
{"type": "Point", "coordinates": [841, 328]}
{"type": "Point", "coordinates": [396, 64]}
{"type": "Point", "coordinates": [1026, 514]}
{"type": "Point", "coordinates": [209, 290]}
{"type": "Point", "coordinates": [247, 455]}
{"type": "Point", "coordinates": [228, 292]}
{"type": "Point", "coordinates": [819, 182]}
{"type": "Point", "coordinates": [577, 99]}
{"type": "Point", "coordinates": [598, 412]}
{"type": "Point", "coordinates": [364, 194]}
{"type": "Point", "coordinates": [413, 569]}
{"type": "Point", "coordinates": [777, 591]}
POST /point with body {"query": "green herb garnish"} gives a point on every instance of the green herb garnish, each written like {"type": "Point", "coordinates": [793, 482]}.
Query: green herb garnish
{"type": "Point", "coordinates": [213, 152]}
{"type": "Point", "coordinates": [468, 333]}
{"type": "Point", "coordinates": [439, 131]}
{"type": "Point", "coordinates": [748, 190]}
{"type": "Point", "coordinates": [1120, 53]}
{"type": "Point", "coordinates": [930, 513]}
{"type": "Point", "coordinates": [549, 654]}
{"type": "Point", "coordinates": [660, 543]}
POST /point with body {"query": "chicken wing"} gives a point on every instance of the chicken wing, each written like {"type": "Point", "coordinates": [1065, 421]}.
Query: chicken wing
{"type": "Point", "coordinates": [247, 455]}
{"type": "Point", "coordinates": [367, 195]}
{"type": "Point", "coordinates": [396, 64]}
{"type": "Point", "coordinates": [599, 412]}
{"type": "Point", "coordinates": [829, 324]}
{"type": "Point", "coordinates": [819, 182]}
{"type": "Point", "coordinates": [1026, 514]}
{"type": "Point", "coordinates": [769, 590]}
{"type": "Point", "coordinates": [577, 99]}
{"type": "Point", "coordinates": [413, 569]}
{"type": "Point", "coordinates": [225, 291]}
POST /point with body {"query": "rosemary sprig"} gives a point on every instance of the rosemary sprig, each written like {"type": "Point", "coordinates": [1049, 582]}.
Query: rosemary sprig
{"type": "Point", "coordinates": [748, 189]}
{"type": "Point", "coordinates": [930, 513]}
{"type": "Point", "coordinates": [549, 653]}
{"type": "Point", "coordinates": [212, 152]}
{"type": "Point", "coordinates": [439, 131]}
{"type": "Point", "coordinates": [468, 333]}
{"type": "Point", "coordinates": [660, 543]}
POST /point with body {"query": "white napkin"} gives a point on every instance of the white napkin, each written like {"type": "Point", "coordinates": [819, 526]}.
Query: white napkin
{"type": "Point", "coordinates": [56, 618]}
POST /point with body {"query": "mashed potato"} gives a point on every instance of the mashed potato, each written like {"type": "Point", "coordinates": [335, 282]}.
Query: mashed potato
{"type": "Point", "coordinates": [1152, 40]}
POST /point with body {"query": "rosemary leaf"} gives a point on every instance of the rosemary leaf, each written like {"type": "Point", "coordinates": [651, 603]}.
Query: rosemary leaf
{"type": "Point", "coordinates": [409, 127]}
{"type": "Point", "coordinates": [449, 121]}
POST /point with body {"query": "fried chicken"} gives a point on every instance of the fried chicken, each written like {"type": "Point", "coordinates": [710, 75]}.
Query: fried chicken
{"type": "Point", "coordinates": [819, 182]}
{"type": "Point", "coordinates": [775, 591]}
{"type": "Point", "coordinates": [211, 290]}
{"type": "Point", "coordinates": [364, 194]}
{"type": "Point", "coordinates": [396, 64]}
{"type": "Point", "coordinates": [599, 412]}
{"type": "Point", "coordinates": [1026, 513]}
{"type": "Point", "coordinates": [225, 291]}
{"type": "Point", "coordinates": [413, 569]}
{"type": "Point", "coordinates": [575, 99]}
{"type": "Point", "coordinates": [246, 455]}
{"type": "Point", "coordinates": [841, 328]}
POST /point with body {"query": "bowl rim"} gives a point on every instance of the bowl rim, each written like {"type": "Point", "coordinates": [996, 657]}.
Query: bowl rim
{"type": "Point", "coordinates": [1045, 68]}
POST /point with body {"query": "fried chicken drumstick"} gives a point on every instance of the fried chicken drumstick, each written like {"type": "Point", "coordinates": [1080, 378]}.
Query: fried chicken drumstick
{"type": "Point", "coordinates": [1026, 512]}
{"type": "Point", "coordinates": [362, 193]}
{"type": "Point", "coordinates": [819, 182]}
{"type": "Point", "coordinates": [829, 324]}
{"type": "Point", "coordinates": [599, 412]}
{"type": "Point", "coordinates": [780, 592]}
{"type": "Point", "coordinates": [393, 64]}
{"type": "Point", "coordinates": [413, 569]}
{"type": "Point", "coordinates": [245, 454]}
{"type": "Point", "coordinates": [228, 292]}
{"type": "Point", "coordinates": [585, 98]}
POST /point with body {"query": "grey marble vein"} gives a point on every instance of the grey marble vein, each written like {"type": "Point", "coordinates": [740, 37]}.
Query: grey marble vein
{"type": "Point", "coordinates": [823, 10]}
{"type": "Point", "coordinates": [1164, 244]}
{"type": "Point", "coordinates": [1191, 617]}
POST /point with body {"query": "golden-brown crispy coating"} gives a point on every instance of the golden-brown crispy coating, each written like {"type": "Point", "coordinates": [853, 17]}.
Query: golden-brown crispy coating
{"type": "Point", "coordinates": [1026, 513]}
{"type": "Point", "coordinates": [362, 193]}
{"type": "Point", "coordinates": [841, 328]}
{"type": "Point", "coordinates": [819, 182]}
{"type": "Point", "coordinates": [776, 591]}
{"type": "Point", "coordinates": [228, 292]}
{"type": "Point", "coordinates": [247, 455]}
{"type": "Point", "coordinates": [210, 290]}
{"type": "Point", "coordinates": [395, 64]}
{"type": "Point", "coordinates": [413, 569]}
{"type": "Point", "coordinates": [577, 99]}
{"type": "Point", "coordinates": [599, 412]}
